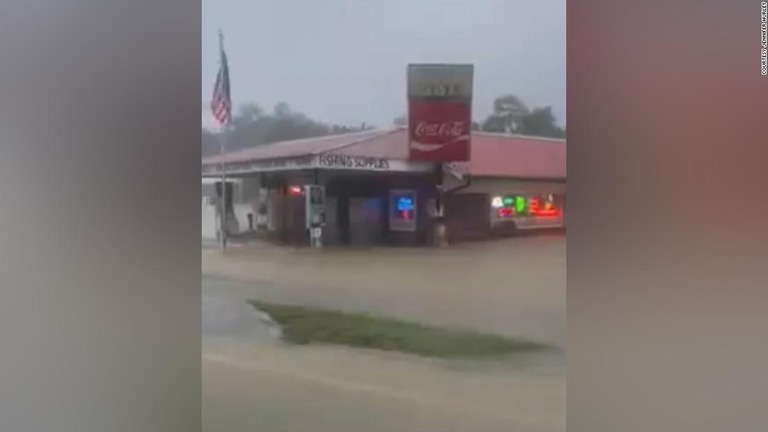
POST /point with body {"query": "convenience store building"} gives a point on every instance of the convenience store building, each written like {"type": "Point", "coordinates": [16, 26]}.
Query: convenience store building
{"type": "Point", "coordinates": [376, 195]}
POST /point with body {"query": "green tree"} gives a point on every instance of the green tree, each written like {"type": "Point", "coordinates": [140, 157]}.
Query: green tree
{"type": "Point", "coordinates": [246, 114]}
{"type": "Point", "coordinates": [494, 123]}
{"type": "Point", "coordinates": [507, 116]}
{"type": "Point", "coordinates": [541, 122]}
{"type": "Point", "coordinates": [282, 110]}
{"type": "Point", "coordinates": [512, 116]}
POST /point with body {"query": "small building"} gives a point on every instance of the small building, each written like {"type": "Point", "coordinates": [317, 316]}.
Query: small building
{"type": "Point", "coordinates": [376, 195]}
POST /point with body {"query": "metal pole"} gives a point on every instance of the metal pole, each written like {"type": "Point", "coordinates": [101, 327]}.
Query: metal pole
{"type": "Point", "coordinates": [223, 210]}
{"type": "Point", "coordinates": [222, 151]}
{"type": "Point", "coordinates": [315, 232]}
{"type": "Point", "coordinates": [439, 223]}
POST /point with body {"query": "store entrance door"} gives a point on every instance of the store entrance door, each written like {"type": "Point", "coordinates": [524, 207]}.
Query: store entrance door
{"type": "Point", "coordinates": [366, 220]}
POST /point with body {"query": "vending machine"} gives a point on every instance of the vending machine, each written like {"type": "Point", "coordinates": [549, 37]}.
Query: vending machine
{"type": "Point", "coordinates": [315, 213]}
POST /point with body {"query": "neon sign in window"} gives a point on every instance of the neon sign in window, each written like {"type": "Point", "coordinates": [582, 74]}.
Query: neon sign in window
{"type": "Point", "coordinates": [518, 205]}
{"type": "Point", "coordinates": [504, 206]}
{"type": "Point", "coordinates": [405, 207]}
{"type": "Point", "coordinates": [405, 203]}
{"type": "Point", "coordinates": [402, 213]}
{"type": "Point", "coordinates": [506, 212]}
{"type": "Point", "coordinates": [543, 206]}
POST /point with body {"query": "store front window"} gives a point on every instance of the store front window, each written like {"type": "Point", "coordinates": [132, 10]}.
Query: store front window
{"type": "Point", "coordinates": [528, 210]}
{"type": "Point", "coordinates": [512, 207]}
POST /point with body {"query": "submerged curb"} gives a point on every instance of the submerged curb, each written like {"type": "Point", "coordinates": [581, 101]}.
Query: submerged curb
{"type": "Point", "coordinates": [273, 327]}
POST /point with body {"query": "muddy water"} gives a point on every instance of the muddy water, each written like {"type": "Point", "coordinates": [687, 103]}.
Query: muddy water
{"type": "Point", "coordinates": [514, 287]}
{"type": "Point", "coordinates": [269, 387]}
{"type": "Point", "coordinates": [253, 382]}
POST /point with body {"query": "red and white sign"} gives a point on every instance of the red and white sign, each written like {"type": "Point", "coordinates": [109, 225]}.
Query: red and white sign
{"type": "Point", "coordinates": [439, 131]}
{"type": "Point", "coordinates": [440, 112]}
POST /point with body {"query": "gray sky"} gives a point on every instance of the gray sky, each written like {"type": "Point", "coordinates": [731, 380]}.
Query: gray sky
{"type": "Point", "coordinates": [344, 61]}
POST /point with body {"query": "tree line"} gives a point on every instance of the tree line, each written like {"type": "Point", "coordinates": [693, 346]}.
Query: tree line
{"type": "Point", "coordinates": [252, 126]}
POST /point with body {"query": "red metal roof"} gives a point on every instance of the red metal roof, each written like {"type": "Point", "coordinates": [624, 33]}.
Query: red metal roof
{"type": "Point", "coordinates": [496, 155]}
{"type": "Point", "coordinates": [493, 155]}
{"type": "Point", "coordinates": [295, 148]}
{"type": "Point", "coordinates": [391, 145]}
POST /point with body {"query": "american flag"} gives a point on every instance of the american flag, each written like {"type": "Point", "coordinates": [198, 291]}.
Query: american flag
{"type": "Point", "coordinates": [221, 104]}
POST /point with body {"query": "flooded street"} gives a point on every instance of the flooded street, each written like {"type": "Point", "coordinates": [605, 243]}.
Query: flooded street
{"type": "Point", "coordinates": [232, 318]}
{"type": "Point", "coordinates": [251, 381]}
{"type": "Point", "coordinates": [514, 287]}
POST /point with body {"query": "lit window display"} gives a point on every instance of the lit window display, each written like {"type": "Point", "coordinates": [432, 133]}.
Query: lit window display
{"type": "Point", "coordinates": [504, 206]}
{"type": "Point", "coordinates": [519, 205]}
{"type": "Point", "coordinates": [295, 190]}
{"type": "Point", "coordinates": [405, 208]}
{"type": "Point", "coordinates": [402, 213]}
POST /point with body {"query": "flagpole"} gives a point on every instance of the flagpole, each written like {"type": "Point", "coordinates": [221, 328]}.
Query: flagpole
{"type": "Point", "coordinates": [222, 152]}
{"type": "Point", "coordinates": [223, 218]}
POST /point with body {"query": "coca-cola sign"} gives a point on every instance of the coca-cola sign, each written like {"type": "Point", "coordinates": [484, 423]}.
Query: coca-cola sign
{"type": "Point", "coordinates": [439, 112]}
{"type": "Point", "coordinates": [453, 129]}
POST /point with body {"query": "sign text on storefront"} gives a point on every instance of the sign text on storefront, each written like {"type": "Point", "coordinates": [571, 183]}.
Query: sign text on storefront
{"type": "Point", "coordinates": [355, 162]}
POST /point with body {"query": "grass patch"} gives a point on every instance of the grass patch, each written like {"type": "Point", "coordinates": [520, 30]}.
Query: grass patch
{"type": "Point", "coordinates": [303, 325]}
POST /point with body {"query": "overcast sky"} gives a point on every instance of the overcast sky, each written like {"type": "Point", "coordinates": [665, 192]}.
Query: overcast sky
{"type": "Point", "coordinates": [344, 61]}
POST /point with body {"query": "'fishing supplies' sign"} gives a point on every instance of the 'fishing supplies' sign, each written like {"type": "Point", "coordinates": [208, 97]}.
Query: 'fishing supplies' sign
{"type": "Point", "coordinates": [439, 112]}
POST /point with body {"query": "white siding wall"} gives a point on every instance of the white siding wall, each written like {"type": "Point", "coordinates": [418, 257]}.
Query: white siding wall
{"type": "Point", "coordinates": [209, 220]}
{"type": "Point", "coordinates": [242, 210]}
{"type": "Point", "coordinates": [508, 187]}
{"type": "Point", "coordinates": [243, 203]}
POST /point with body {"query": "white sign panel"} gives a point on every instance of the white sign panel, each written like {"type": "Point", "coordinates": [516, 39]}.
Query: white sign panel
{"type": "Point", "coordinates": [353, 162]}
{"type": "Point", "coordinates": [452, 81]}
{"type": "Point", "coordinates": [325, 161]}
